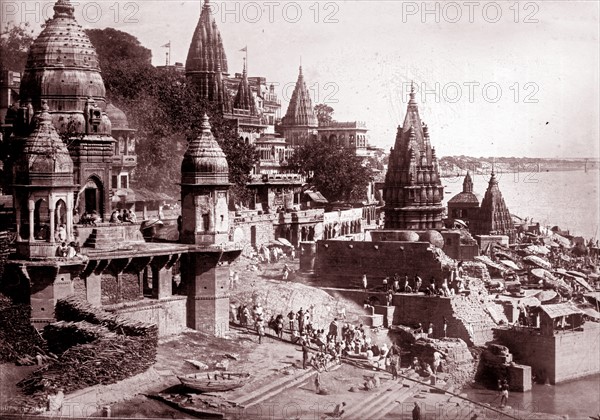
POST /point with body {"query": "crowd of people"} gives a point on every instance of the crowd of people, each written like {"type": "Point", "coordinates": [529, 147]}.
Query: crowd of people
{"type": "Point", "coordinates": [123, 216]}
{"type": "Point", "coordinates": [451, 286]}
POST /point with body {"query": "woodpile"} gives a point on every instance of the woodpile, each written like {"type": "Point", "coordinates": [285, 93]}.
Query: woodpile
{"type": "Point", "coordinates": [19, 340]}
{"type": "Point", "coordinates": [63, 335]}
{"type": "Point", "coordinates": [95, 348]}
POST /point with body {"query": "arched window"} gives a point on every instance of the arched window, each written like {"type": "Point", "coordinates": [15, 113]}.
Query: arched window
{"type": "Point", "coordinates": [60, 213]}
{"type": "Point", "coordinates": [41, 221]}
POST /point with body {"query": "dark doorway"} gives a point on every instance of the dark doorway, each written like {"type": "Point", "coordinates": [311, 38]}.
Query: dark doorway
{"type": "Point", "coordinates": [91, 199]}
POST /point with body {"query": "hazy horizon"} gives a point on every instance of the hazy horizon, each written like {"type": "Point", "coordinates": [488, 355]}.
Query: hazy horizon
{"type": "Point", "coordinates": [512, 79]}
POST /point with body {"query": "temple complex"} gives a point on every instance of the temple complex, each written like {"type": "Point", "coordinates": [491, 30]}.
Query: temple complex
{"type": "Point", "coordinates": [63, 160]}
{"type": "Point", "coordinates": [413, 191]}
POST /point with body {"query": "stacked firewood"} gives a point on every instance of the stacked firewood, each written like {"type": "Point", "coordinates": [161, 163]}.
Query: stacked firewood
{"type": "Point", "coordinates": [63, 335]}
{"type": "Point", "coordinates": [104, 361]}
{"type": "Point", "coordinates": [95, 348]}
{"type": "Point", "coordinates": [73, 308]}
{"type": "Point", "coordinates": [19, 340]}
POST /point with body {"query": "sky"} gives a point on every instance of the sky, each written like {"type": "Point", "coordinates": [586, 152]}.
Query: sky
{"type": "Point", "coordinates": [499, 78]}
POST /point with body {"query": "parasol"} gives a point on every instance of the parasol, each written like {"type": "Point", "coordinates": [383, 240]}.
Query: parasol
{"type": "Point", "coordinates": [540, 262]}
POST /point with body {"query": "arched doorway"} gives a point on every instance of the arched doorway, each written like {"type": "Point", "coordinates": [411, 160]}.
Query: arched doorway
{"type": "Point", "coordinates": [91, 196]}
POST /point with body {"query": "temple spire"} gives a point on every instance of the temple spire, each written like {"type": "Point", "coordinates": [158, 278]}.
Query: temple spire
{"type": "Point", "coordinates": [300, 111]}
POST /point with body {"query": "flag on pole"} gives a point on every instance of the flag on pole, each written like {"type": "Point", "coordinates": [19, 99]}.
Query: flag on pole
{"type": "Point", "coordinates": [245, 49]}
{"type": "Point", "coordinates": [167, 45]}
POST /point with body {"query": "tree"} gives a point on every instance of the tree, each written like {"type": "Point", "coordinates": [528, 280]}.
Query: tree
{"type": "Point", "coordinates": [167, 112]}
{"type": "Point", "coordinates": [14, 45]}
{"type": "Point", "coordinates": [324, 114]}
{"type": "Point", "coordinates": [333, 170]}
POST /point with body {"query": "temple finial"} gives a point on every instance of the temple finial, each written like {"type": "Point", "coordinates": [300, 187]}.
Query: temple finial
{"type": "Point", "coordinates": [205, 124]}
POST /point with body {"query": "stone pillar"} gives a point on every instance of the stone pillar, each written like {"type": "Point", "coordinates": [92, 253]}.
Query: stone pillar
{"type": "Point", "coordinates": [31, 219]}
{"type": "Point", "coordinates": [51, 208]}
{"type": "Point", "coordinates": [18, 221]}
{"type": "Point", "coordinates": [208, 293]}
{"type": "Point", "coordinates": [162, 282]}
{"type": "Point", "coordinates": [141, 284]}
{"type": "Point", "coordinates": [93, 289]}
{"type": "Point", "coordinates": [69, 210]}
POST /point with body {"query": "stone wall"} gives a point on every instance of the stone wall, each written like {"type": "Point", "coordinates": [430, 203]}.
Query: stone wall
{"type": "Point", "coordinates": [530, 348]}
{"type": "Point", "coordinates": [253, 230]}
{"type": "Point", "coordinates": [467, 317]}
{"type": "Point", "coordinates": [169, 314]}
{"type": "Point", "coordinates": [342, 263]}
{"type": "Point", "coordinates": [577, 353]}
{"type": "Point", "coordinates": [565, 356]}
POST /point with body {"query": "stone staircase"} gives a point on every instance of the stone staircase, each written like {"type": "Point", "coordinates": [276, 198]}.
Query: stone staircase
{"type": "Point", "coordinates": [378, 404]}
{"type": "Point", "coordinates": [245, 399]}
{"type": "Point", "coordinates": [103, 239]}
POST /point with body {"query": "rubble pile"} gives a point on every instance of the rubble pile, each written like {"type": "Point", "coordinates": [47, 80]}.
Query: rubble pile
{"type": "Point", "coordinates": [18, 338]}
{"type": "Point", "coordinates": [458, 363]}
{"type": "Point", "coordinates": [476, 270]}
{"type": "Point", "coordinates": [123, 348]}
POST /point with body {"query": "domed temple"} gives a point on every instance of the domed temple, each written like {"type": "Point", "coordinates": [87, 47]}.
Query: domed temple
{"type": "Point", "coordinates": [464, 206]}
{"type": "Point", "coordinates": [61, 161]}
{"type": "Point", "coordinates": [413, 191]}
{"type": "Point", "coordinates": [63, 70]}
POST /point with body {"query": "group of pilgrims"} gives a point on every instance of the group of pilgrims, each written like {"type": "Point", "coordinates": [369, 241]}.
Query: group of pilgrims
{"type": "Point", "coordinates": [329, 345]}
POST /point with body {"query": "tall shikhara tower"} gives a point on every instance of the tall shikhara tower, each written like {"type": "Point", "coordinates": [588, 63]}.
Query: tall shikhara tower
{"type": "Point", "coordinates": [413, 191]}
{"type": "Point", "coordinates": [206, 63]}
{"type": "Point", "coordinates": [493, 217]}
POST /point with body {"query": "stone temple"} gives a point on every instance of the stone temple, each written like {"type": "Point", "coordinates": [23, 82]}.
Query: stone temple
{"type": "Point", "coordinates": [60, 161]}
{"type": "Point", "coordinates": [413, 191]}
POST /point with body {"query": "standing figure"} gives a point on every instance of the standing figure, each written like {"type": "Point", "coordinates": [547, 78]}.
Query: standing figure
{"type": "Point", "coordinates": [416, 412]}
{"type": "Point", "coordinates": [260, 329]}
{"type": "Point", "coordinates": [291, 316]}
{"type": "Point", "coordinates": [394, 356]}
{"type": "Point", "coordinates": [504, 393]}
{"type": "Point", "coordinates": [364, 281]}
{"type": "Point", "coordinates": [318, 382]}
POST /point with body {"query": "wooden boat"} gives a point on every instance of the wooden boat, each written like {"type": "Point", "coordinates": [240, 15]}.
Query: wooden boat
{"type": "Point", "coordinates": [218, 381]}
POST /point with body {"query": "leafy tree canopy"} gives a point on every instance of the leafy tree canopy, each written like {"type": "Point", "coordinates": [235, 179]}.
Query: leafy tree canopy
{"type": "Point", "coordinates": [333, 170]}
{"type": "Point", "coordinates": [14, 45]}
{"type": "Point", "coordinates": [167, 112]}
{"type": "Point", "coordinates": [324, 113]}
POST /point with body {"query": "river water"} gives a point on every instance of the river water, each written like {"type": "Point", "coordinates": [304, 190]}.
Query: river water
{"type": "Point", "coordinates": [576, 399]}
{"type": "Point", "coordinates": [568, 199]}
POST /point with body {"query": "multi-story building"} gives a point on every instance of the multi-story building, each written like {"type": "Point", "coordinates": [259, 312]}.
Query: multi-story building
{"type": "Point", "coordinates": [350, 134]}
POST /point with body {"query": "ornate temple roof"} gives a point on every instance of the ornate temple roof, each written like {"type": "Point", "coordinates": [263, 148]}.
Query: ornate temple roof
{"type": "Point", "coordinates": [300, 111]}
{"type": "Point", "coordinates": [244, 98]}
{"type": "Point", "coordinates": [204, 162]}
{"type": "Point", "coordinates": [413, 190]}
{"type": "Point", "coordinates": [466, 196]}
{"type": "Point", "coordinates": [493, 217]}
{"type": "Point", "coordinates": [62, 68]}
{"type": "Point", "coordinates": [44, 159]}
{"type": "Point", "coordinates": [206, 53]}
